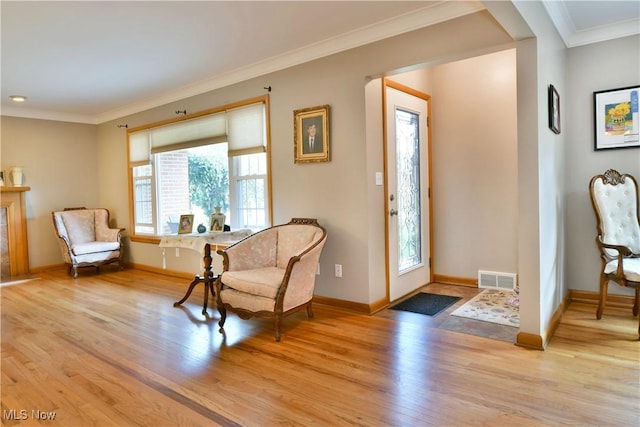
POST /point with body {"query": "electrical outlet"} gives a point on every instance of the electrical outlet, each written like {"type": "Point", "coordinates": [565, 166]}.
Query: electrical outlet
{"type": "Point", "coordinates": [177, 252]}
{"type": "Point", "coordinates": [318, 270]}
{"type": "Point", "coordinates": [338, 270]}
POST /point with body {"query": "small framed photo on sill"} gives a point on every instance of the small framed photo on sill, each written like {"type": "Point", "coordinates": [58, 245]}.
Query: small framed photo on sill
{"type": "Point", "coordinates": [616, 120]}
{"type": "Point", "coordinates": [311, 134]}
{"type": "Point", "coordinates": [185, 226]}
{"type": "Point", "coordinates": [554, 110]}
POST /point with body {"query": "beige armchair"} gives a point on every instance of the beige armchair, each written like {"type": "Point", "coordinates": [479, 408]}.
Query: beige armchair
{"type": "Point", "coordinates": [85, 238]}
{"type": "Point", "coordinates": [271, 273]}
{"type": "Point", "coordinates": [615, 202]}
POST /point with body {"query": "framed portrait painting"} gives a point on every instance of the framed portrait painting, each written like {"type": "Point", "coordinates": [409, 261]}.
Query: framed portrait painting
{"type": "Point", "coordinates": [185, 226]}
{"type": "Point", "coordinates": [311, 134]}
{"type": "Point", "coordinates": [616, 122]}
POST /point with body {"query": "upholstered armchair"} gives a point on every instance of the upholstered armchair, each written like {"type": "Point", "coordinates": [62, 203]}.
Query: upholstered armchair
{"type": "Point", "coordinates": [615, 201]}
{"type": "Point", "coordinates": [271, 273]}
{"type": "Point", "coordinates": [85, 238]}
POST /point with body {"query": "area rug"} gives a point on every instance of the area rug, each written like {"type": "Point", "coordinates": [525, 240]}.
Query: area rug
{"type": "Point", "coordinates": [491, 306]}
{"type": "Point", "coordinates": [426, 303]}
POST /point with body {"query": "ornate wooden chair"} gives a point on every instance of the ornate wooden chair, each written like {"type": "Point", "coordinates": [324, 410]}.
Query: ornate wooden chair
{"type": "Point", "coordinates": [615, 201]}
{"type": "Point", "coordinates": [271, 273]}
{"type": "Point", "coordinates": [85, 238]}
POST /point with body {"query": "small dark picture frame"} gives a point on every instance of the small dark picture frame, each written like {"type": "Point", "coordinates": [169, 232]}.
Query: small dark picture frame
{"type": "Point", "coordinates": [554, 110]}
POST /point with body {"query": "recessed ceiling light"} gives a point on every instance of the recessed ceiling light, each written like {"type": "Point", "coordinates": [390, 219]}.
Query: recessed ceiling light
{"type": "Point", "coordinates": [18, 98]}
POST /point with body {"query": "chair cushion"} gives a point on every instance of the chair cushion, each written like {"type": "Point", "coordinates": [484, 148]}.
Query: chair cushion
{"type": "Point", "coordinates": [263, 282]}
{"type": "Point", "coordinates": [94, 247]}
{"type": "Point", "coordinates": [631, 268]}
{"type": "Point", "coordinates": [80, 225]}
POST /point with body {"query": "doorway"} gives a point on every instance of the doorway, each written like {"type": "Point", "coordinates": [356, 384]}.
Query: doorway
{"type": "Point", "coordinates": [407, 188]}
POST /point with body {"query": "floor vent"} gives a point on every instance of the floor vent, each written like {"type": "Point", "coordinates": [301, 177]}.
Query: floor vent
{"type": "Point", "coordinates": [496, 280]}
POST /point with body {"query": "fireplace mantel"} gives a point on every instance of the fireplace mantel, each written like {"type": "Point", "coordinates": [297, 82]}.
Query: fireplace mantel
{"type": "Point", "coordinates": [15, 249]}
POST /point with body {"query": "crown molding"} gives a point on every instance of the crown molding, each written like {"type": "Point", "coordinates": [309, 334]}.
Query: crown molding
{"type": "Point", "coordinates": [561, 19]}
{"type": "Point", "coordinates": [559, 15]}
{"type": "Point", "coordinates": [604, 33]}
{"type": "Point", "coordinates": [31, 113]}
{"type": "Point", "coordinates": [424, 17]}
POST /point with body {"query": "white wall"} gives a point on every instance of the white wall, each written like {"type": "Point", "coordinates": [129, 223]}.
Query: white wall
{"type": "Point", "coordinates": [601, 66]}
{"type": "Point", "coordinates": [541, 166]}
{"type": "Point", "coordinates": [474, 117]}
{"type": "Point", "coordinates": [60, 162]}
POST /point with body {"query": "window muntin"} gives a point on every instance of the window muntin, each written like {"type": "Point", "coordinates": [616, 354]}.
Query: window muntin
{"type": "Point", "coordinates": [250, 188]}
{"type": "Point", "coordinates": [143, 196]}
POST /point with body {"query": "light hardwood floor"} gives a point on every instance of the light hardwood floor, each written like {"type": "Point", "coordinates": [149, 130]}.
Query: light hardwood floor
{"type": "Point", "coordinates": [111, 350]}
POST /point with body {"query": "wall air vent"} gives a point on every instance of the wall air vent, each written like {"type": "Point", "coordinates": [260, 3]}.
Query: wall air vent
{"type": "Point", "coordinates": [496, 280]}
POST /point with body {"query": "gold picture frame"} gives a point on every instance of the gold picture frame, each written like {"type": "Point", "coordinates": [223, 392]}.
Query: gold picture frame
{"type": "Point", "coordinates": [185, 226]}
{"type": "Point", "coordinates": [311, 134]}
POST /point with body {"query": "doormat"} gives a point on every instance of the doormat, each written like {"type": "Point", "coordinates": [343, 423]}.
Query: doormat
{"type": "Point", "coordinates": [425, 303]}
{"type": "Point", "coordinates": [492, 306]}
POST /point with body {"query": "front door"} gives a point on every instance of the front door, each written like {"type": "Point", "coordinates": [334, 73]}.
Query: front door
{"type": "Point", "coordinates": [407, 189]}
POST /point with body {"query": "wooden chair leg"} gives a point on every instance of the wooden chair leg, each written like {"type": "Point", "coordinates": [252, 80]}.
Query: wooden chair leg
{"type": "Point", "coordinates": [223, 317]}
{"type": "Point", "coordinates": [637, 301]}
{"type": "Point", "coordinates": [604, 283]}
{"type": "Point", "coordinates": [278, 321]}
{"type": "Point", "coordinates": [309, 311]}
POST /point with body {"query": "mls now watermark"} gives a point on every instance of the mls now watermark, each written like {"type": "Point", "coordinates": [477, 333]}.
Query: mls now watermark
{"type": "Point", "coordinates": [23, 414]}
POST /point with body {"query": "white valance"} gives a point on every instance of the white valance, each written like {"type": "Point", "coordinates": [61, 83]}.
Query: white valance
{"type": "Point", "coordinates": [243, 128]}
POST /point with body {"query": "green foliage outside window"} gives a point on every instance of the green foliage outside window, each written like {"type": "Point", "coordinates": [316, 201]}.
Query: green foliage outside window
{"type": "Point", "coordinates": [208, 183]}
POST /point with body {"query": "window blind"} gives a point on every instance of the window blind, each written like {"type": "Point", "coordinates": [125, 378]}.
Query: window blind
{"type": "Point", "coordinates": [243, 128]}
{"type": "Point", "coordinates": [246, 129]}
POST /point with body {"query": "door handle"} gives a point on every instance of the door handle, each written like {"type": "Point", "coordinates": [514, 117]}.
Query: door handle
{"type": "Point", "coordinates": [393, 212]}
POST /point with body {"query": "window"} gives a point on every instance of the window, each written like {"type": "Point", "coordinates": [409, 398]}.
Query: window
{"type": "Point", "coordinates": [199, 162]}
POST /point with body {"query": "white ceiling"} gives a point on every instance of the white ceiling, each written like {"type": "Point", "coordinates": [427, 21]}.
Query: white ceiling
{"type": "Point", "coordinates": [91, 62]}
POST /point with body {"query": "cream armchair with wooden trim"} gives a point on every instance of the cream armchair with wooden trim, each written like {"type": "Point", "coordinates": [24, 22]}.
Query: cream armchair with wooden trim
{"type": "Point", "coordinates": [86, 239]}
{"type": "Point", "coordinates": [271, 273]}
{"type": "Point", "coordinates": [615, 201]}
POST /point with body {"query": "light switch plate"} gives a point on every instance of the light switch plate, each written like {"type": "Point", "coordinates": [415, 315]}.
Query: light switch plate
{"type": "Point", "coordinates": [378, 178]}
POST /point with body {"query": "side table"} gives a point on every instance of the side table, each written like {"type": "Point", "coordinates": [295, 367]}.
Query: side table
{"type": "Point", "coordinates": [202, 243]}
{"type": "Point", "coordinates": [207, 278]}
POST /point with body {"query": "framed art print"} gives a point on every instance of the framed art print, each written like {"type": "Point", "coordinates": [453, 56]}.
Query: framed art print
{"type": "Point", "coordinates": [311, 134]}
{"type": "Point", "coordinates": [616, 122]}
